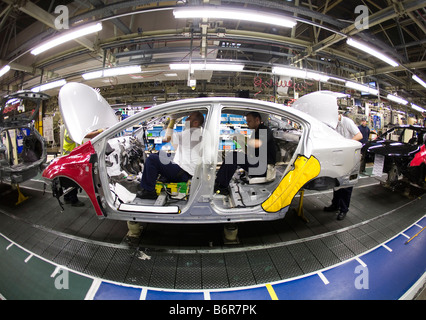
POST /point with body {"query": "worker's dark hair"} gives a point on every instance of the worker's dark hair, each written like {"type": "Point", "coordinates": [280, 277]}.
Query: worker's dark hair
{"type": "Point", "coordinates": [254, 114]}
{"type": "Point", "coordinates": [199, 117]}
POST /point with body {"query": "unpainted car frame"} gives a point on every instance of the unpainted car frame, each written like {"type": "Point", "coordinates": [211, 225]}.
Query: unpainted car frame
{"type": "Point", "coordinates": [320, 159]}
{"type": "Point", "coordinates": [34, 144]}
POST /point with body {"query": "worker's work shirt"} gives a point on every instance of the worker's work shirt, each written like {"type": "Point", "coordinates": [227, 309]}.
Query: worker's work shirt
{"type": "Point", "coordinates": [188, 149]}
{"type": "Point", "coordinates": [68, 144]}
{"type": "Point", "coordinates": [267, 135]}
{"type": "Point", "coordinates": [347, 128]}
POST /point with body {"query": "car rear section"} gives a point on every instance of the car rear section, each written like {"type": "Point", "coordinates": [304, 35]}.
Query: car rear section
{"type": "Point", "coordinates": [339, 158]}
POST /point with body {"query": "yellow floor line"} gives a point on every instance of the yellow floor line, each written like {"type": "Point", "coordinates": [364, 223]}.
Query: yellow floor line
{"type": "Point", "coordinates": [271, 292]}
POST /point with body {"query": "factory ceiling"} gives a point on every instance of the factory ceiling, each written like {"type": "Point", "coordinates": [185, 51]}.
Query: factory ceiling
{"type": "Point", "coordinates": [146, 33]}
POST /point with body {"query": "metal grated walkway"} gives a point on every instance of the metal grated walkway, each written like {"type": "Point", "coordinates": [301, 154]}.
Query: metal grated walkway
{"type": "Point", "coordinates": [194, 257]}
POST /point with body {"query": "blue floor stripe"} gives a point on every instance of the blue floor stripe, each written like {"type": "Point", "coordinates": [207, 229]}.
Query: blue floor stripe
{"type": "Point", "coordinates": [259, 293]}
{"type": "Point", "coordinates": [110, 291]}
{"type": "Point", "coordinates": [412, 231]}
{"type": "Point", "coordinates": [303, 288]}
{"type": "Point", "coordinates": [173, 295]}
{"type": "Point", "coordinates": [395, 272]}
{"type": "Point", "coordinates": [388, 275]}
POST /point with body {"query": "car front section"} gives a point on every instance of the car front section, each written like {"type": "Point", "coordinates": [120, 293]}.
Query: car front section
{"type": "Point", "coordinates": [74, 171]}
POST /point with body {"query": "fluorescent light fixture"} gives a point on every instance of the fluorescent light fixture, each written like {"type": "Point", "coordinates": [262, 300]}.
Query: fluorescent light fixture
{"type": "Point", "coordinates": [92, 75]}
{"type": "Point", "coordinates": [4, 70]}
{"type": "Point", "coordinates": [361, 87]}
{"type": "Point", "coordinates": [396, 99]}
{"type": "Point", "coordinates": [337, 79]}
{"type": "Point", "coordinates": [416, 107]}
{"type": "Point", "coordinates": [121, 70]}
{"type": "Point", "coordinates": [67, 36]}
{"type": "Point", "coordinates": [296, 73]}
{"type": "Point", "coordinates": [300, 73]}
{"type": "Point", "coordinates": [216, 12]}
{"type": "Point", "coordinates": [207, 66]}
{"type": "Point", "coordinates": [50, 85]}
{"type": "Point", "coordinates": [316, 76]}
{"type": "Point", "coordinates": [12, 101]}
{"type": "Point", "coordinates": [415, 78]}
{"type": "Point", "coordinates": [363, 47]}
{"type": "Point", "coordinates": [111, 72]}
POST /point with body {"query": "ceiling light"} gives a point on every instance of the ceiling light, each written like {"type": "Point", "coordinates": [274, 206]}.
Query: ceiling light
{"type": "Point", "coordinates": [296, 73]}
{"type": "Point", "coordinates": [300, 73]}
{"type": "Point", "coordinates": [361, 87]}
{"type": "Point", "coordinates": [4, 70]}
{"type": "Point", "coordinates": [316, 76]}
{"type": "Point", "coordinates": [207, 66]}
{"type": "Point", "coordinates": [337, 79]}
{"type": "Point", "coordinates": [92, 75]}
{"type": "Point", "coordinates": [416, 78]}
{"type": "Point", "coordinates": [121, 70]}
{"type": "Point", "coordinates": [216, 12]}
{"type": "Point", "coordinates": [111, 72]}
{"type": "Point", "coordinates": [12, 101]}
{"type": "Point", "coordinates": [67, 36]}
{"type": "Point", "coordinates": [363, 47]}
{"type": "Point", "coordinates": [416, 107]}
{"type": "Point", "coordinates": [396, 99]}
{"type": "Point", "coordinates": [50, 85]}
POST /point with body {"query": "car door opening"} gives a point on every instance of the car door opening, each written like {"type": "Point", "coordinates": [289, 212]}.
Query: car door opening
{"type": "Point", "coordinates": [248, 188]}
{"type": "Point", "coordinates": [153, 146]}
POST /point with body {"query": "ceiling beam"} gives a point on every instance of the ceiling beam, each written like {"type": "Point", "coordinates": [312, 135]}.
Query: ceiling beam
{"type": "Point", "coordinates": [374, 19]}
{"type": "Point", "coordinates": [411, 65]}
{"type": "Point", "coordinates": [20, 67]}
{"type": "Point", "coordinates": [45, 17]}
{"type": "Point", "coordinates": [117, 21]}
{"type": "Point", "coordinates": [417, 22]}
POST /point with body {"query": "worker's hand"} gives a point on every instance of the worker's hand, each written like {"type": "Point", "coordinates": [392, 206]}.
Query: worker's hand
{"type": "Point", "coordinates": [172, 121]}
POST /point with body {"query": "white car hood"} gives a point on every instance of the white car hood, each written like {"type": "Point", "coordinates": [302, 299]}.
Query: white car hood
{"type": "Point", "coordinates": [322, 105]}
{"type": "Point", "coordinates": [84, 110]}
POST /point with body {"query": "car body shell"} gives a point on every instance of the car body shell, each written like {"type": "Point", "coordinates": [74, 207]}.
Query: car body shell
{"type": "Point", "coordinates": [404, 154]}
{"type": "Point", "coordinates": [31, 165]}
{"type": "Point", "coordinates": [323, 159]}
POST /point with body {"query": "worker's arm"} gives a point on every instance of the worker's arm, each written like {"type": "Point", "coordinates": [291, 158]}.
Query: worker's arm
{"type": "Point", "coordinates": [93, 134]}
{"type": "Point", "coordinates": [357, 137]}
{"type": "Point", "coordinates": [169, 130]}
{"type": "Point", "coordinates": [254, 143]}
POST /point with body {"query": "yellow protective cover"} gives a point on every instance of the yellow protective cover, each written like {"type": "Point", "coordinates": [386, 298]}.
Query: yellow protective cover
{"type": "Point", "coordinates": [304, 170]}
